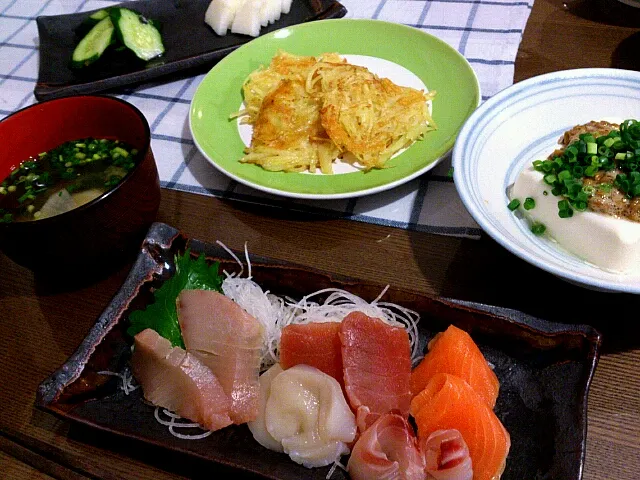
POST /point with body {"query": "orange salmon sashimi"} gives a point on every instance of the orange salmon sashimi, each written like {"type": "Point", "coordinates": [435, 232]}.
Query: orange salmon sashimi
{"type": "Point", "coordinates": [448, 402]}
{"type": "Point", "coordinates": [454, 351]}
{"type": "Point", "coordinates": [377, 367]}
{"type": "Point", "coordinates": [314, 344]}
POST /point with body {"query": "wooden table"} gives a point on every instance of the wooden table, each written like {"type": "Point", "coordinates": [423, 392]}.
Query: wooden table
{"type": "Point", "coordinates": [42, 324]}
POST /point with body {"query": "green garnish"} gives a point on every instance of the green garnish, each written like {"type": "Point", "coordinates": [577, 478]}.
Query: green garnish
{"type": "Point", "coordinates": [513, 204]}
{"type": "Point", "coordinates": [161, 315]}
{"type": "Point", "coordinates": [585, 158]}
{"type": "Point", "coordinates": [529, 203]}
{"type": "Point", "coordinates": [538, 228]}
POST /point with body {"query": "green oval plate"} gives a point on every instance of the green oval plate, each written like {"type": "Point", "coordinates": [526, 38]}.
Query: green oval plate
{"type": "Point", "coordinates": [434, 62]}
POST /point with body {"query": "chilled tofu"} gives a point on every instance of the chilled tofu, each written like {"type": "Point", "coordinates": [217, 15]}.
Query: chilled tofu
{"type": "Point", "coordinates": [605, 241]}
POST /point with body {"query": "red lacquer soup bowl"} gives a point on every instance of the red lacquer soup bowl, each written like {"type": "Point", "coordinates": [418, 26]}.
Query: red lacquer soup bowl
{"type": "Point", "coordinates": [109, 228]}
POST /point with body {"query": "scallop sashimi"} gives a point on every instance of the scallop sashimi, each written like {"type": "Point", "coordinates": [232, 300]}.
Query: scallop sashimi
{"type": "Point", "coordinates": [377, 367]}
{"type": "Point", "coordinates": [448, 402]}
{"type": "Point", "coordinates": [258, 427]}
{"type": "Point", "coordinates": [315, 344]}
{"type": "Point", "coordinates": [454, 351]}
{"type": "Point", "coordinates": [388, 449]}
{"type": "Point", "coordinates": [229, 341]}
{"type": "Point", "coordinates": [307, 413]}
{"type": "Point", "coordinates": [447, 456]}
{"type": "Point", "coordinates": [176, 380]}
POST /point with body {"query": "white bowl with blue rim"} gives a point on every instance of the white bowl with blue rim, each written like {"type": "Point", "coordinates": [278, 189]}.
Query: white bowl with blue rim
{"type": "Point", "coordinates": [521, 124]}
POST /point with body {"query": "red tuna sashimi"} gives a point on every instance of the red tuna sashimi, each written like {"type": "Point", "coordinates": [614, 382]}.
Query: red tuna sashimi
{"type": "Point", "coordinates": [228, 340]}
{"type": "Point", "coordinates": [387, 450]}
{"type": "Point", "coordinates": [377, 367]}
{"type": "Point", "coordinates": [178, 381]}
{"type": "Point", "coordinates": [314, 344]}
{"type": "Point", "coordinates": [454, 351]}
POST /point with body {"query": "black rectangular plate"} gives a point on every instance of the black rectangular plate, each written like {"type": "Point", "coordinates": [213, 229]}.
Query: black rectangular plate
{"type": "Point", "coordinates": [189, 43]}
{"type": "Point", "coordinates": [544, 369]}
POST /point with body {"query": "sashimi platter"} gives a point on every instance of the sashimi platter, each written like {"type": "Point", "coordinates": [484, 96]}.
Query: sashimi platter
{"type": "Point", "coordinates": [273, 370]}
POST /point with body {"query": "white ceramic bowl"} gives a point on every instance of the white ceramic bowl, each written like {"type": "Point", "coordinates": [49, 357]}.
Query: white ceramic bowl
{"type": "Point", "coordinates": [523, 123]}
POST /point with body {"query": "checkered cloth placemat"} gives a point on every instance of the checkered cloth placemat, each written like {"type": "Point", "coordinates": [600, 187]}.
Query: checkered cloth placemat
{"type": "Point", "coordinates": [486, 32]}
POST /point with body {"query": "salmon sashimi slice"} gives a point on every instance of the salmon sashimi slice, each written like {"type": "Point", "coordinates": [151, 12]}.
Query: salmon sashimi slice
{"type": "Point", "coordinates": [388, 449]}
{"type": "Point", "coordinates": [447, 456]}
{"type": "Point", "coordinates": [176, 380]}
{"type": "Point", "coordinates": [316, 344]}
{"type": "Point", "coordinates": [376, 361]}
{"type": "Point", "coordinates": [454, 351]}
{"type": "Point", "coordinates": [228, 340]}
{"type": "Point", "coordinates": [448, 402]}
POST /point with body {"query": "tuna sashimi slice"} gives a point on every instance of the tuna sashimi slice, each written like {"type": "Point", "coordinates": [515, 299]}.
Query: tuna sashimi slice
{"type": "Point", "coordinates": [387, 449]}
{"type": "Point", "coordinates": [228, 340]}
{"type": "Point", "coordinates": [315, 344]}
{"type": "Point", "coordinates": [176, 380]}
{"type": "Point", "coordinates": [454, 351]}
{"type": "Point", "coordinates": [377, 367]}
{"type": "Point", "coordinates": [448, 402]}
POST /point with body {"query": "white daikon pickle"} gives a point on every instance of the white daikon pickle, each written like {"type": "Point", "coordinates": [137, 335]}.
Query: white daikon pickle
{"type": "Point", "coordinates": [247, 19]}
{"type": "Point", "coordinates": [286, 6]}
{"type": "Point", "coordinates": [275, 10]}
{"type": "Point", "coordinates": [307, 413]}
{"type": "Point", "coordinates": [220, 15]}
{"type": "Point", "coordinates": [265, 12]}
{"type": "Point", "coordinates": [258, 427]}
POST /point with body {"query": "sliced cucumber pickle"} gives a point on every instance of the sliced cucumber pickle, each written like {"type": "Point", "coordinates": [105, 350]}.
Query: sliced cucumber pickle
{"type": "Point", "coordinates": [90, 22]}
{"type": "Point", "coordinates": [93, 44]}
{"type": "Point", "coordinates": [137, 33]}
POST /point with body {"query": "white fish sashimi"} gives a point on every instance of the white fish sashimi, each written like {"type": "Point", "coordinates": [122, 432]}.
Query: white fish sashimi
{"type": "Point", "coordinates": [258, 427]}
{"type": "Point", "coordinates": [228, 340]}
{"type": "Point", "coordinates": [306, 411]}
{"type": "Point", "coordinates": [176, 380]}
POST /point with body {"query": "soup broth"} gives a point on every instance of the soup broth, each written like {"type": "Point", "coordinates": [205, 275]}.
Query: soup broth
{"type": "Point", "coordinates": [64, 178]}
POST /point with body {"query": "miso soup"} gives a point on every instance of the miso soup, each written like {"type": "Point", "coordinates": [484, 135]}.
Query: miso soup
{"type": "Point", "coordinates": [64, 178]}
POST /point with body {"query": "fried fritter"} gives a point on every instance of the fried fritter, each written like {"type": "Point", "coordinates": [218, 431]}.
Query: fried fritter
{"type": "Point", "coordinates": [288, 134]}
{"type": "Point", "coordinates": [371, 117]}
{"type": "Point", "coordinates": [308, 111]}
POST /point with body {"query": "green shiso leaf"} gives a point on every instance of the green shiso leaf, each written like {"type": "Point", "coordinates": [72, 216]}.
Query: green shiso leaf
{"type": "Point", "coordinates": [161, 315]}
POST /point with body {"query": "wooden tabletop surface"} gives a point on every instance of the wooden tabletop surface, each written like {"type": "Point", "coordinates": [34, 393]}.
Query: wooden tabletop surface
{"type": "Point", "coordinates": [42, 323]}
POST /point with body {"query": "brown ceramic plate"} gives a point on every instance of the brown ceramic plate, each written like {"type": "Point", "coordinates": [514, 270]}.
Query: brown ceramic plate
{"type": "Point", "coordinates": [544, 368]}
{"type": "Point", "coordinates": [189, 44]}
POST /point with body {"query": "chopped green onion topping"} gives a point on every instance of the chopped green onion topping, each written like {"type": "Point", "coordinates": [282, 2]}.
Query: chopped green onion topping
{"type": "Point", "coordinates": [538, 228]}
{"type": "Point", "coordinates": [529, 203]}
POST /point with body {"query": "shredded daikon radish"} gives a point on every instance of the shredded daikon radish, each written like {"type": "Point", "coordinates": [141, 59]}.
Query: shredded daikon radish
{"type": "Point", "coordinates": [126, 378]}
{"type": "Point", "coordinates": [335, 465]}
{"type": "Point", "coordinates": [175, 421]}
{"type": "Point", "coordinates": [270, 310]}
